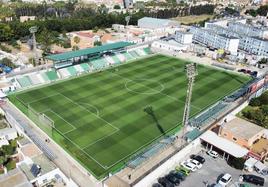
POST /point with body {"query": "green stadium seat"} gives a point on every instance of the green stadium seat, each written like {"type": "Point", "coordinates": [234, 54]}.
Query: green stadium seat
{"type": "Point", "coordinates": [24, 81]}
{"type": "Point", "coordinates": [44, 76]}
{"type": "Point", "coordinates": [116, 59]}
{"type": "Point", "coordinates": [147, 50]}
{"type": "Point", "coordinates": [85, 66]}
{"type": "Point", "coordinates": [72, 71]}
{"type": "Point", "coordinates": [52, 75]}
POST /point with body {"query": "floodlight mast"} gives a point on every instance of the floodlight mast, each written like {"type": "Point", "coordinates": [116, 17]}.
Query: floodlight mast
{"type": "Point", "coordinates": [127, 19]}
{"type": "Point", "coordinates": [191, 73]}
{"type": "Point", "coordinates": [33, 30]}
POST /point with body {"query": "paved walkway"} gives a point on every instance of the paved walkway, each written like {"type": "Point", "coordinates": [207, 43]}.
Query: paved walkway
{"type": "Point", "coordinates": [65, 162]}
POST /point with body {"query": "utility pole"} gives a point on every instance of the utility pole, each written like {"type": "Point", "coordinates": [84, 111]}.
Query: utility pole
{"type": "Point", "coordinates": [191, 73]}
{"type": "Point", "coordinates": [33, 30]}
{"type": "Point", "coordinates": [127, 18]}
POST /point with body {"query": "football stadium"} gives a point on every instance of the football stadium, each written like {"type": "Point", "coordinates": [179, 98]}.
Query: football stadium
{"type": "Point", "coordinates": [101, 118]}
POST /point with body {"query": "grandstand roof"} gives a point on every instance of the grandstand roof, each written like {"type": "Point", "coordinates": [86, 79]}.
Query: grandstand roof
{"type": "Point", "coordinates": [224, 144]}
{"type": "Point", "coordinates": [88, 51]}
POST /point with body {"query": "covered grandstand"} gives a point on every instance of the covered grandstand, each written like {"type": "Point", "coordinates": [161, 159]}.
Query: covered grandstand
{"type": "Point", "coordinates": [84, 55]}
{"type": "Point", "coordinates": [89, 65]}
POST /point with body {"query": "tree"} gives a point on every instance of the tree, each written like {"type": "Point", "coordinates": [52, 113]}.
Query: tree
{"type": "Point", "coordinates": [117, 7]}
{"type": "Point", "coordinates": [76, 39]}
{"type": "Point", "coordinates": [46, 39]}
{"type": "Point", "coordinates": [6, 32]}
{"type": "Point", "coordinates": [7, 62]}
{"type": "Point", "coordinates": [264, 109]}
{"type": "Point", "coordinates": [97, 43]}
{"type": "Point", "coordinates": [7, 150]}
{"type": "Point", "coordinates": [255, 102]}
{"type": "Point", "coordinates": [11, 165]}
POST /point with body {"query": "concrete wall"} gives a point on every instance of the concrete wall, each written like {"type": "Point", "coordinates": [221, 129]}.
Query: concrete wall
{"type": "Point", "coordinates": [170, 164]}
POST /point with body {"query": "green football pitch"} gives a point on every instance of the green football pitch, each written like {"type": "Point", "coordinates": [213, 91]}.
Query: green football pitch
{"type": "Point", "coordinates": [100, 120]}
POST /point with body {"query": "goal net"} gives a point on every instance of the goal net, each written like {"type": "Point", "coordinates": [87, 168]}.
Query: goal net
{"type": "Point", "coordinates": [42, 120]}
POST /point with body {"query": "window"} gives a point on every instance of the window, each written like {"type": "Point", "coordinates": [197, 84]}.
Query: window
{"type": "Point", "coordinates": [234, 139]}
{"type": "Point", "coordinates": [225, 134]}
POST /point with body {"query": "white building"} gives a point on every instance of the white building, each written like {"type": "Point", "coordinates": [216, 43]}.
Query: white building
{"type": "Point", "coordinates": [249, 30]}
{"type": "Point", "coordinates": [118, 27]}
{"type": "Point", "coordinates": [7, 134]}
{"type": "Point", "coordinates": [155, 23]}
{"type": "Point", "coordinates": [252, 45]}
{"type": "Point", "coordinates": [214, 40]}
{"type": "Point", "coordinates": [224, 22]}
{"type": "Point", "coordinates": [171, 45]}
{"type": "Point", "coordinates": [183, 37]}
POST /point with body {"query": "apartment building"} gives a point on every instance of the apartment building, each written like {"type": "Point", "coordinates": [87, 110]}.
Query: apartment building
{"type": "Point", "coordinates": [214, 40]}
{"type": "Point", "coordinates": [249, 30]}
{"type": "Point", "coordinates": [183, 37]}
{"type": "Point", "coordinates": [251, 44]}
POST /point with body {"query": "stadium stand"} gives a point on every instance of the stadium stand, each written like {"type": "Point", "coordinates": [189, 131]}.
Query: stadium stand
{"type": "Point", "coordinates": [109, 60]}
{"type": "Point", "coordinates": [116, 59]}
{"type": "Point", "coordinates": [128, 56]}
{"type": "Point", "coordinates": [121, 57]}
{"type": "Point", "coordinates": [99, 63]}
{"type": "Point", "coordinates": [85, 66]}
{"type": "Point", "coordinates": [209, 115]}
{"type": "Point", "coordinates": [151, 151]}
{"type": "Point", "coordinates": [147, 50]}
{"type": "Point", "coordinates": [34, 79]}
{"type": "Point", "coordinates": [52, 75]}
{"type": "Point", "coordinates": [44, 76]}
{"type": "Point", "coordinates": [64, 73]}
{"type": "Point", "coordinates": [40, 77]}
{"type": "Point", "coordinates": [24, 81]}
{"type": "Point", "coordinates": [72, 71]}
{"type": "Point", "coordinates": [94, 64]}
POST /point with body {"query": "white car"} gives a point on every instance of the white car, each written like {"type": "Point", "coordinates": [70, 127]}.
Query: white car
{"type": "Point", "coordinates": [225, 179]}
{"type": "Point", "coordinates": [189, 166]}
{"type": "Point", "coordinates": [195, 162]}
{"type": "Point", "coordinates": [213, 154]}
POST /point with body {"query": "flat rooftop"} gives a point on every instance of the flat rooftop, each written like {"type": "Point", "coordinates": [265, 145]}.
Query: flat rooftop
{"type": "Point", "coordinates": [242, 128]}
{"type": "Point", "coordinates": [224, 144]}
{"type": "Point", "coordinates": [14, 178]}
{"type": "Point", "coordinates": [42, 161]}
{"type": "Point", "coordinates": [260, 147]}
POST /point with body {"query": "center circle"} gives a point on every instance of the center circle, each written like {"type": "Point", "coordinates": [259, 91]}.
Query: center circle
{"type": "Point", "coordinates": [140, 86]}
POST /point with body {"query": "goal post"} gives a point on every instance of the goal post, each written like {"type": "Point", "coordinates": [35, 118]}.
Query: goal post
{"type": "Point", "coordinates": [42, 120]}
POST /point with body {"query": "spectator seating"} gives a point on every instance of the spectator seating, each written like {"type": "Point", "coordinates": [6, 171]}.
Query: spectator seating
{"type": "Point", "coordinates": [24, 81]}
{"type": "Point", "coordinates": [209, 115]}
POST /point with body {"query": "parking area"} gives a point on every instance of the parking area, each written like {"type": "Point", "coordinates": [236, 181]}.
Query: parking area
{"type": "Point", "coordinates": [211, 172]}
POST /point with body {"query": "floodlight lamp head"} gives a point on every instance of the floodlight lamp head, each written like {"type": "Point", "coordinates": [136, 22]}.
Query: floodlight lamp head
{"type": "Point", "coordinates": [33, 29]}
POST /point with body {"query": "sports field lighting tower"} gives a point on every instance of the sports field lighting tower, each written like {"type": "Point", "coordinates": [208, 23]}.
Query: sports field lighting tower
{"type": "Point", "coordinates": [33, 30]}
{"type": "Point", "coordinates": [127, 19]}
{"type": "Point", "coordinates": [191, 72]}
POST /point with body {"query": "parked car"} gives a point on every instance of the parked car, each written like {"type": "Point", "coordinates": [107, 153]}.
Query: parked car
{"type": "Point", "coordinates": [248, 71]}
{"type": "Point", "coordinates": [183, 170]}
{"type": "Point", "coordinates": [225, 179]}
{"type": "Point", "coordinates": [165, 183]}
{"type": "Point", "coordinates": [242, 70]}
{"type": "Point", "coordinates": [195, 162]}
{"type": "Point", "coordinates": [157, 185]}
{"type": "Point", "coordinates": [189, 166]}
{"type": "Point", "coordinates": [253, 179]}
{"type": "Point", "coordinates": [178, 175]}
{"type": "Point", "coordinates": [198, 158]}
{"type": "Point", "coordinates": [174, 180]}
{"type": "Point", "coordinates": [213, 154]}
